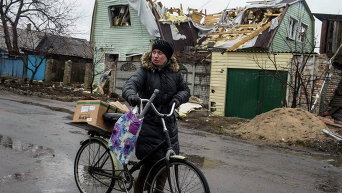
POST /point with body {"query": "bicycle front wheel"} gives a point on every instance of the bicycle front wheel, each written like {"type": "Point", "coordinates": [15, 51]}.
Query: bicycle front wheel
{"type": "Point", "coordinates": [94, 168]}
{"type": "Point", "coordinates": [185, 177]}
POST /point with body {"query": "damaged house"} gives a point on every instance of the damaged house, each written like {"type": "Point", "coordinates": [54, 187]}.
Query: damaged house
{"type": "Point", "coordinates": [122, 30]}
{"type": "Point", "coordinates": [249, 51]}
{"type": "Point", "coordinates": [46, 57]}
{"type": "Point", "coordinates": [252, 49]}
{"type": "Point", "coordinates": [331, 49]}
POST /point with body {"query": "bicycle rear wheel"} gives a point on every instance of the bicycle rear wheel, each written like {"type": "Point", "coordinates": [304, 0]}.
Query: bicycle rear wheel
{"type": "Point", "coordinates": [94, 167]}
{"type": "Point", "coordinates": [185, 177]}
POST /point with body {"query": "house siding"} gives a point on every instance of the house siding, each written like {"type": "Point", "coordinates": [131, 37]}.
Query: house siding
{"type": "Point", "coordinates": [282, 43]}
{"type": "Point", "coordinates": [120, 40]}
{"type": "Point", "coordinates": [220, 64]}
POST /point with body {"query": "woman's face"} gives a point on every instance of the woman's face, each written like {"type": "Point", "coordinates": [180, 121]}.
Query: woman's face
{"type": "Point", "coordinates": [158, 58]}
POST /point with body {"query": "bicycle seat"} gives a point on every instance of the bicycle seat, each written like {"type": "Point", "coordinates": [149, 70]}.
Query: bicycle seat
{"type": "Point", "coordinates": [110, 119]}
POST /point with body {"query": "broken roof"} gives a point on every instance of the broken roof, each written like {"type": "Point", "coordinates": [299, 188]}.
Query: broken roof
{"type": "Point", "coordinates": [34, 41]}
{"type": "Point", "coordinates": [333, 17]}
{"type": "Point", "coordinates": [251, 27]}
{"type": "Point", "coordinates": [66, 46]}
{"type": "Point", "coordinates": [27, 39]}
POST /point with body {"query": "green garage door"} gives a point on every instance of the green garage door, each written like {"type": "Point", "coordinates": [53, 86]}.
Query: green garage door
{"type": "Point", "coordinates": [252, 92]}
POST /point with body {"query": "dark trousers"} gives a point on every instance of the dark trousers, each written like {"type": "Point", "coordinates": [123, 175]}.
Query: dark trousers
{"type": "Point", "coordinates": [139, 183]}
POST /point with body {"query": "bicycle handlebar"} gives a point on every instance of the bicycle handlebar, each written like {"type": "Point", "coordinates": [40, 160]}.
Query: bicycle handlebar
{"type": "Point", "coordinates": [150, 104]}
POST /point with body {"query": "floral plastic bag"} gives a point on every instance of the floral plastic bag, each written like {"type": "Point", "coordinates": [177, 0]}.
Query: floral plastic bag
{"type": "Point", "coordinates": [124, 136]}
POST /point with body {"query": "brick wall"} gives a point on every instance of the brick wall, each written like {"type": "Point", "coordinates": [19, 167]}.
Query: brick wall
{"type": "Point", "coordinates": [314, 77]}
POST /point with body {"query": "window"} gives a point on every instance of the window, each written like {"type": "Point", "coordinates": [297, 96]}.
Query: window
{"type": "Point", "coordinates": [302, 32]}
{"type": "Point", "coordinates": [110, 60]}
{"type": "Point", "coordinates": [292, 29]}
{"type": "Point", "coordinates": [134, 57]}
{"type": "Point", "coordinates": [119, 15]}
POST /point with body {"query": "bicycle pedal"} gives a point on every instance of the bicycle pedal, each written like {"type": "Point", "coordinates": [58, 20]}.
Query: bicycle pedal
{"type": "Point", "coordinates": [132, 162]}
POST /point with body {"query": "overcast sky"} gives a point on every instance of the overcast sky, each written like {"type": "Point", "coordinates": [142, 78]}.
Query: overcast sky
{"type": "Point", "coordinates": [85, 8]}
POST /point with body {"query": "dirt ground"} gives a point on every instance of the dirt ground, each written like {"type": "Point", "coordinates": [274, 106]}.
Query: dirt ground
{"type": "Point", "coordinates": [54, 90]}
{"type": "Point", "coordinates": [281, 127]}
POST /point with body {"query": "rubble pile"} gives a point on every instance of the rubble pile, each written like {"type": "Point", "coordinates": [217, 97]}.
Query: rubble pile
{"type": "Point", "coordinates": [288, 125]}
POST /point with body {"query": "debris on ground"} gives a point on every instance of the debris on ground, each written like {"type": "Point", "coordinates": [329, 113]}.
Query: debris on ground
{"type": "Point", "coordinates": [329, 121]}
{"type": "Point", "coordinates": [195, 100]}
{"type": "Point", "coordinates": [193, 105]}
{"type": "Point", "coordinates": [332, 134]}
{"type": "Point", "coordinates": [122, 107]}
{"type": "Point", "coordinates": [281, 127]}
{"type": "Point", "coordinates": [284, 125]}
{"type": "Point", "coordinates": [186, 108]}
{"type": "Point", "coordinates": [54, 90]}
{"type": "Point", "coordinates": [290, 127]}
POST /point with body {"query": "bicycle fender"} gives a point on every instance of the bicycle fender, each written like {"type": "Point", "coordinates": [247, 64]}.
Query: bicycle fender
{"type": "Point", "coordinates": [178, 157]}
{"type": "Point", "coordinates": [116, 162]}
{"type": "Point", "coordinates": [95, 138]}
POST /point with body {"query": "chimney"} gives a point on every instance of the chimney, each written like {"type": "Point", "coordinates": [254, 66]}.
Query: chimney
{"type": "Point", "coordinates": [28, 27]}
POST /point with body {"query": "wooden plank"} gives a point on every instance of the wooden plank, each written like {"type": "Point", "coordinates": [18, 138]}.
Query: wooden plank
{"type": "Point", "coordinates": [246, 25]}
{"type": "Point", "coordinates": [272, 14]}
{"type": "Point", "coordinates": [231, 32]}
{"type": "Point", "coordinates": [223, 38]}
{"type": "Point", "coordinates": [252, 35]}
{"type": "Point", "coordinates": [324, 34]}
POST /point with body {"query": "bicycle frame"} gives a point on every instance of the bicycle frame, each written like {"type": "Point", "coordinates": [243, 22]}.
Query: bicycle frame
{"type": "Point", "coordinates": [136, 166]}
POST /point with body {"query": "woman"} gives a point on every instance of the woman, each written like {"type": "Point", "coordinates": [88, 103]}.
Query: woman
{"type": "Point", "coordinates": [159, 70]}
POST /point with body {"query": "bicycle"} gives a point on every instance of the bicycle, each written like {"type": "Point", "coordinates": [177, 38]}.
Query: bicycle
{"type": "Point", "coordinates": [97, 170]}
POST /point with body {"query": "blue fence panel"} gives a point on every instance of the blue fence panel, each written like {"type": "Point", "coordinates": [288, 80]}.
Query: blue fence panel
{"type": "Point", "coordinates": [36, 62]}
{"type": "Point", "coordinates": [11, 67]}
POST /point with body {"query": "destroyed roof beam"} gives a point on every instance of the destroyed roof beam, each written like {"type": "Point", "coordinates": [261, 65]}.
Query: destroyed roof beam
{"type": "Point", "coordinates": [231, 32]}
{"type": "Point", "coordinates": [252, 35]}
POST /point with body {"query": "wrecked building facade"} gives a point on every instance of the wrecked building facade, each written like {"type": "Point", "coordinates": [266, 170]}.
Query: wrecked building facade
{"type": "Point", "coordinates": [117, 33]}
{"type": "Point", "coordinates": [252, 52]}
{"type": "Point", "coordinates": [331, 52]}
{"type": "Point", "coordinates": [118, 47]}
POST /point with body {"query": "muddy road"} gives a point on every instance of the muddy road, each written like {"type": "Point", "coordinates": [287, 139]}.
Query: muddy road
{"type": "Point", "coordinates": [38, 147]}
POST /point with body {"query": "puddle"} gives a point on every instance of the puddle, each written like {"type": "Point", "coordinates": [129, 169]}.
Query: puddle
{"type": "Point", "coordinates": [204, 162]}
{"type": "Point", "coordinates": [41, 105]}
{"type": "Point", "coordinates": [335, 161]}
{"type": "Point", "coordinates": [15, 176]}
{"type": "Point", "coordinates": [332, 160]}
{"type": "Point", "coordinates": [17, 145]}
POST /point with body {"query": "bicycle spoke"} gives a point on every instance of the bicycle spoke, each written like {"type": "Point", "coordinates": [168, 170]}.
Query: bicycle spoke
{"type": "Point", "coordinates": [94, 168]}
{"type": "Point", "coordinates": [184, 178]}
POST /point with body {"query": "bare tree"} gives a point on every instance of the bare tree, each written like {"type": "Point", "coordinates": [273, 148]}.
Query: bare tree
{"type": "Point", "coordinates": [49, 16]}
{"type": "Point", "coordinates": [300, 82]}
{"type": "Point", "coordinates": [97, 69]}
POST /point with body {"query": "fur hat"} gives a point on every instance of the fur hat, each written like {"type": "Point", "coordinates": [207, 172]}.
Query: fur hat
{"type": "Point", "coordinates": [164, 46]}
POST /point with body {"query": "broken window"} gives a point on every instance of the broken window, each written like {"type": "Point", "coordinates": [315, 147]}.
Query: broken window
{"type": "Point", "coordinates": [110, 60]}
{"type": "Point", "coordinates": [302, 32]}
{"type": "Point", "coordinates": [119, 15]}
{"type": "Point", "coordinates": [133, 57]}
{"type": "Point", "coordinates": [292, 29]}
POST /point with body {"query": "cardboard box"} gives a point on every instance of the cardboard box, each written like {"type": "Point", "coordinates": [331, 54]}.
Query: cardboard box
{"type": "Point", "coordinates": [91, 111]}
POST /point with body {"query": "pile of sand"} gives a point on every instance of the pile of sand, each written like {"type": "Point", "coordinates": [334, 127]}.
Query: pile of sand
{"type": "Point", "coordinates": [284, 125]}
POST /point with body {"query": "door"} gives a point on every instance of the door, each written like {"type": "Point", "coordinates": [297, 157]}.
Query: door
{"type": "Point", "coordinates": [252, 92]}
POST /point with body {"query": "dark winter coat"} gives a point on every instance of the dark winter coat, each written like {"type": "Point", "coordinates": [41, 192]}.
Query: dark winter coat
{"type": "Point", "coordinates": [169, 81]}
